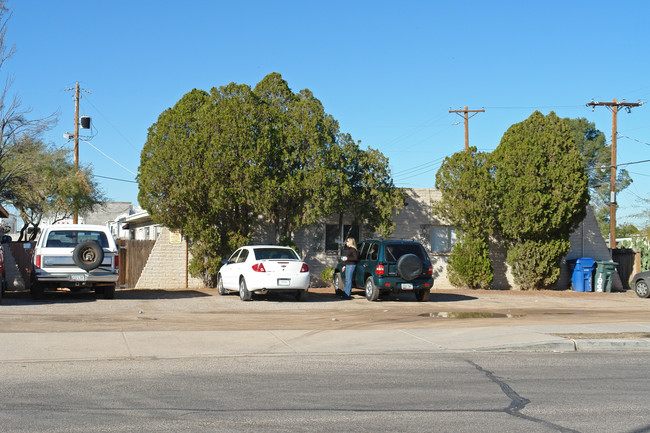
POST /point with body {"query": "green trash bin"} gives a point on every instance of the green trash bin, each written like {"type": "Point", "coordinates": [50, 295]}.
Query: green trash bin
{"type": "Point", "coordinates": [603, 277]}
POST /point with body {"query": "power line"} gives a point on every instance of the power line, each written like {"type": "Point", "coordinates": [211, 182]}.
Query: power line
{"type": "Point", "coordinates": [114, 178]}
{"type": "Point", "coordinates": [633, 139]}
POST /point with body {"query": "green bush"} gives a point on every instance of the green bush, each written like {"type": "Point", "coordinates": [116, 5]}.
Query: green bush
{"type": "Point", "coordinates": [469, 264]}
{"type": "Point", "coordinates": [327, 274]}
{"type": "Point", "coordinates": [536, 264]}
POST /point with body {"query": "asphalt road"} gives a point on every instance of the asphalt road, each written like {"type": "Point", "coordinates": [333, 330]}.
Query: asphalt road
{"type": "Point", "coordinates": [487, 392]}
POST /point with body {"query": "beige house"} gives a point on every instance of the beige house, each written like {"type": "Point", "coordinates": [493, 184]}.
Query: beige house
{"type": "Point", "coordinates": [319, 245]}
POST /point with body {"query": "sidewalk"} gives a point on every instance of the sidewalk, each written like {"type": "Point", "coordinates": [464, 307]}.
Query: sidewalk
{"type": "Point", "coordinates": [26, 347]}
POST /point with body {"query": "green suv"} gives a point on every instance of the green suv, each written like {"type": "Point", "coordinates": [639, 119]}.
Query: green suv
{"type": "Point", "coordinates": [389, 267]}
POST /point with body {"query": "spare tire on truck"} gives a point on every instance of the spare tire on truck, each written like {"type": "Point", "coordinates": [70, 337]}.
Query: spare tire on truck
{"type": "Point", "coordinates": [409, 267]}
{"type": "Point", "coordinates": [88, 255]}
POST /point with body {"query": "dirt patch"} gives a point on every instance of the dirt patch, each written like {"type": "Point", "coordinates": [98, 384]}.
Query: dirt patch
{"type": "Point", "coordinates": [183, 309]}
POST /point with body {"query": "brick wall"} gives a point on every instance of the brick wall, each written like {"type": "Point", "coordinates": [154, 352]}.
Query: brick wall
{"type": "Point", "coordinates": [165, 268]}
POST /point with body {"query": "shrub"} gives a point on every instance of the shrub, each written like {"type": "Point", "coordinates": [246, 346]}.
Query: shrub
{"type": "Point", "coordinates": [327, 275]}
{"type": "Point", "coordinates": [469, 264]}
{"type": "Point", "coordinates": [536, 264]}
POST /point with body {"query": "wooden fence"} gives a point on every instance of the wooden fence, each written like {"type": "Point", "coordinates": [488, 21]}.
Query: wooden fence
{"type": "Point", "coordinates": [133, 258]}
{"type": "Point", "coordinates": [629, 263]}
{"type": "Point", "coordinates": [23, 253]}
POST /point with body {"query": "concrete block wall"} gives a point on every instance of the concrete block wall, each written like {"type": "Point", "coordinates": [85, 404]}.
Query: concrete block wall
{"type": "Point", "coordinates": [165, 268]}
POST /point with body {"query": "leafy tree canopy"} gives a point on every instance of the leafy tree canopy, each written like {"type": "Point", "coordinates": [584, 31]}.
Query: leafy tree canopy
{"type": "Point", "coordinates": [46, 183]}
{"type": "Point", "coordinates": [216, 161]}
{"type": "Point", "coordinates": [540, 179]}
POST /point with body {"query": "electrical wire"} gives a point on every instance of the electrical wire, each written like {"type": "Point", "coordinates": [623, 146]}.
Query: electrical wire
{"type": "Point", "coordinates": [114, 178]}
{"type": "Point", "coordinates": [110, 123]}
{"type": "Point", "coordinates": [100, 151]}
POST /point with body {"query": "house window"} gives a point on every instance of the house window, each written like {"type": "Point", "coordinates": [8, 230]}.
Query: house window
{"type": "Point", "coordinates": [334, 239]}
{"type": "Point", "coordinates": [443, 238]}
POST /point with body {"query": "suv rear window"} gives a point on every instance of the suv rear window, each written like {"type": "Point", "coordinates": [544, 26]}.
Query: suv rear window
{"type": "Point", "coordinates": [70, 238]}
{"type": "Point", "coordinates": [395, 251]}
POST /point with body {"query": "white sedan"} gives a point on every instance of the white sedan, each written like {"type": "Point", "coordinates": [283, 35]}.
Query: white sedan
{"type": "Point", "coordinates": [261, 268]}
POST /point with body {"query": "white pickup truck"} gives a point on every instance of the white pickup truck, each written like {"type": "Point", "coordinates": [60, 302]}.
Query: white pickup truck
{"type": "Point", "coordinates": [75, 256]}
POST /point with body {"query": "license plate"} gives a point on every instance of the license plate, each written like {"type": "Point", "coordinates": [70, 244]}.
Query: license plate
{"type": "Point", "coordinates": [407, 286]}
{"type": "Point", "coordinates": [284, 282]}
{"type": "Point", "coordinates": [78, 277]}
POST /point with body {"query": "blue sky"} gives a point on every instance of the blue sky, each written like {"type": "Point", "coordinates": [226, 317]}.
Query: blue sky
{"type": "Point", "coordinates": [389, 72]}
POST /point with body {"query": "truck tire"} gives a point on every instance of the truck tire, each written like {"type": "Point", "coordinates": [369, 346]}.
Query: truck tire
{"type": "Point", "coordinates": [422, 295]}
{"type": "Point", "coordinates": [88, 255]}
{"type": "Point", "coordinates": [338, 284]}
{"type": "Point", "coordinates": [109, 291]}
{"type": "Point", "coordinates": [37, 291]}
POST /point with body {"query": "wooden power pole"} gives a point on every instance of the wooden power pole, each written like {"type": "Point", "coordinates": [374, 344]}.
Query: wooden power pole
{"type": "Point", "coordinates": [614, 106]}
{"type": "Point", "coordinates": [466, 116]}
{"type": "Point", "coordinates": [75, 215]}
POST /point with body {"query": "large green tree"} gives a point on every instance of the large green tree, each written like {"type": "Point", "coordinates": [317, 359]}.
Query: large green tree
{"type": "Point", "coordinates": [468, 202]}
{"type": "Point", "coordinates": [217, 161]}
{"type": "Point", "coordinates": [597, 156]}
{"type": "Point", "coordinates": [542, 193]}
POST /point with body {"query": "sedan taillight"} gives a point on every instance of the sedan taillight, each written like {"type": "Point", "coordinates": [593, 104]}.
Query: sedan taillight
{"type": "Point", "coordinates": [379, 270]}
{"type": "Point", "coordinates": [304, 268]}
{"type": "Point", "coordinates": [259, 267]}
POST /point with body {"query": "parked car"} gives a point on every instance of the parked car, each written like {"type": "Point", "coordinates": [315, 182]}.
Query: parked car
{"type": "Point", "coordinates": [264, 268]}
{"type": "Point", "coordinates": [389, 267]}
{"type": "Point", "coordinates": [640, 283]}
{"type": "Point", "coordinates": [75, 256]}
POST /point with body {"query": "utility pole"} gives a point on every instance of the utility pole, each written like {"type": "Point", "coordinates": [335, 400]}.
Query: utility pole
{"type": "Point", "coordinates": [75, 215]}
{"type": "Point", "coordinates": [77, 97]}
{"type": "Point", "coordinates": [465, 116]}
{"type": "Point", "coordinates": [614, 106]}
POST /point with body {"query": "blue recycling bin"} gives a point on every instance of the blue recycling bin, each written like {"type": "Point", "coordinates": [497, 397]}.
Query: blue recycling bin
{"type": "Point", "coordinates": [581, 277]}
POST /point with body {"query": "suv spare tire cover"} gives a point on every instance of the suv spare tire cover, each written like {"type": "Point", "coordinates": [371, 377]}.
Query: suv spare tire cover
{"type": "Point", "coordinates": [409, 267]}
{"type": "Point", "coordinates": [88, 255]}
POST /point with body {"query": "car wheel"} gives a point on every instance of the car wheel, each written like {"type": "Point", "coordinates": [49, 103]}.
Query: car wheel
{"type": "Point", "coordinates": [37, 291]}
{"type": "Point", "coordinates": [372, 294]}
{"type": "Point", "coordinates": [222, 290]}
{"type": "Point", "coordinates": [88, 255]}
{"type": "Point", "coordinates": [244, 293]}
{"type": "Point", "coordinates": [641, 289]}
{"type": "Point", "coordinates": [302, 295]}
{"type": "Point", "coordinates": [338, 284]}
{"type": "Point", "coordinates": [409, 267]}
{"type": "Point", "coordinates": [109, 292]}
{"type": "Point", "coordinates": [422, 295]}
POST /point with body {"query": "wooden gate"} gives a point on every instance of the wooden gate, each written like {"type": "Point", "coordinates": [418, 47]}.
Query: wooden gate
{"type": "Point", "coordinates": [133, 258]}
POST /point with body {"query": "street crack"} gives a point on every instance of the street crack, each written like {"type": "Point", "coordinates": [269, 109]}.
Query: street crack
{"type": "Point", "coordinates": [517, 402]}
